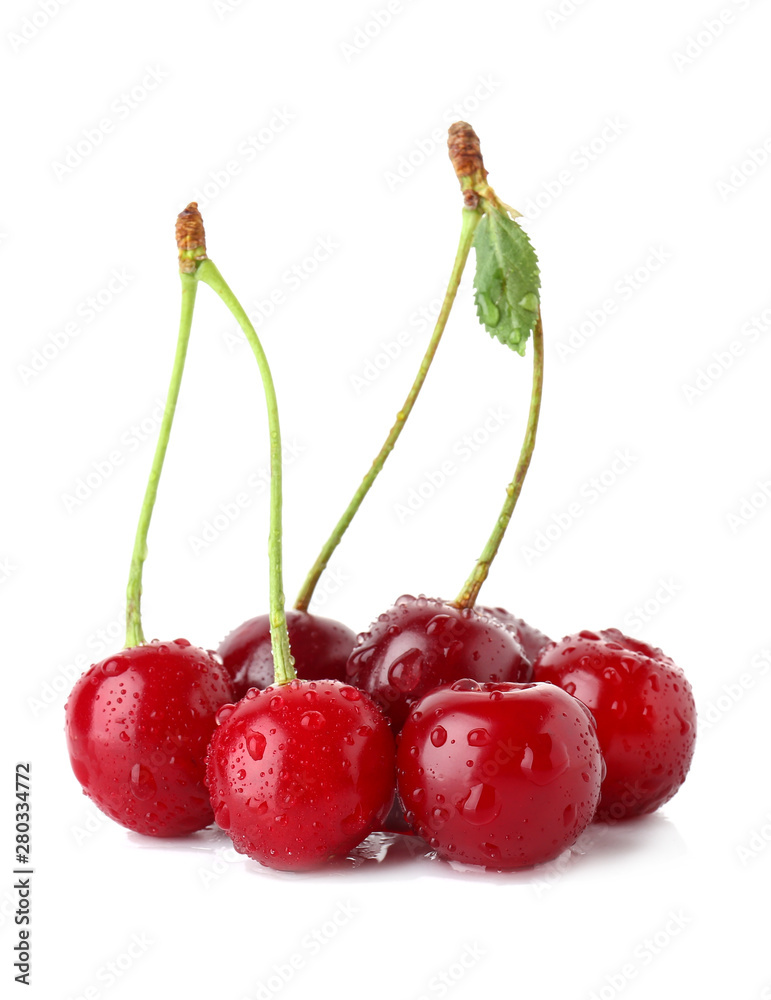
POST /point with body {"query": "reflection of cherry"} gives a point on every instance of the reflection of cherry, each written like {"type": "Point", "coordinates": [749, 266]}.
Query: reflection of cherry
{"type": "Point", "coordinates": [646, 717]}
{"type": "Point", "coordinates": [421, 643]}
{"type": "Point", "coordinates": [138, 725]}
{"type": "Point", "coordinates": [502, 775]}
{"type": "Point", "coordinates": [320, 646]}
{"type": "Point", "coordinates": [300, 773]}
{"type": "Point", "coordinates": [531, 640]}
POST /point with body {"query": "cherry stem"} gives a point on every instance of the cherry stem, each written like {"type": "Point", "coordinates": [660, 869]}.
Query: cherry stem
{"type": "Point", "coordinates": [468, 596]}
{"type": "Point", "coordinates": [134, 634]}
{"type": "Point", "coordinates": [282, 658]}
{"type": "Point", "coordinates": [471, 218]}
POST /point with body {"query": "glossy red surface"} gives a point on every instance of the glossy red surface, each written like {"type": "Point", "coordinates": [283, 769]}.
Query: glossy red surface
{"type": "Point", "coordinates": [645, 713]}
{"type": "Point", "coordinates": [320, 646]}
{"type": "Point", "coordinates": [138, 725]}
{"type": "Point", "coordinates": [501, 775]}
{"type": "Point", "coordinates": [300, 774]}
{"type": "Point", "coordinates": [421, 643]}
{"type": "Point", "coordinates": [531, 640]}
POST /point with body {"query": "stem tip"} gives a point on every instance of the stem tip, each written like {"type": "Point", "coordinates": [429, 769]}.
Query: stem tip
{"type": "Point", "coordinates": [191, 238]}
{"type": "Point", "coordinates": [466, 157]}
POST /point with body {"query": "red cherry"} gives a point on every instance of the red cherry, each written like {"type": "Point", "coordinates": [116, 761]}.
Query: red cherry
{"type": "Point", "coordinates": [421, 643]}
{"type": "Point", "coordinates": [138, 725]}
{"type": "Point", "coordinates": [501, 775]}
{"type": "Point", "coordinates": [646, 717]}
{"type": "Point", "coordinates": [531, 640]}
{"type": "Point", "coordinates": [301, 773]}
{"type": "Point", "coordinates": [321, 646]}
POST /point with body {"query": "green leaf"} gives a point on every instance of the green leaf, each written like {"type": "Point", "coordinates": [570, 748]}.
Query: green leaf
{"type": "Point", "coordinates": [507, 280]}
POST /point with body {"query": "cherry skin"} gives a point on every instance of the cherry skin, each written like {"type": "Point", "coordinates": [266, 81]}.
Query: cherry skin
{"type": "Point", "coordinates": [301, 773]}
{"type": "Point", "coordinates": [321, 645]}
{"type": "Point", "coordinates": [501, 775]}
{"type": "Point", "coordinates": [530, 639]}
{"type": "Point", "coordinates": [138, 725]}
{"type": "Point", "coordinates": [646, 717]}
{"type": "Point", "coordinates": [421, 643]}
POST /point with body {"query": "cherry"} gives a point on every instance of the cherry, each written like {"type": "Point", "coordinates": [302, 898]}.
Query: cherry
{"type": "Point", "coordinates": [300, 773]}
{"type": "Point", "coordinates": [138, 725]}
{"type": "Point", "coordinates": [421, 643]}
{"type": "Point", "coordinates": [139, 722]}
{"type": "Point", "coordinates": [530, 639]}
{"type": "Point", "coordinates": [501, 775]}
{"type": "Point", "coordinates": [645, 712]}
{"type": "Point", "coordinates": [321, 645]}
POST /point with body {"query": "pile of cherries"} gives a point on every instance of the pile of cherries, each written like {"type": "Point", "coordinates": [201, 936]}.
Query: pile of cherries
{"type": "Point", "coordinates": [457, 723]}
{"type": "Point", "coordinates": [501, 745]}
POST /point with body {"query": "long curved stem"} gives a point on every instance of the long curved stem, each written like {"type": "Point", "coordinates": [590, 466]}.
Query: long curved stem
{"type": "Point", "coordinates": [282, 657]}
{"type": "Point", "coordinates": [467, 597]}
{"type": "Point", "coordinates": [471, 219]}
{"type": "Point", "coordinates": [134, 633]}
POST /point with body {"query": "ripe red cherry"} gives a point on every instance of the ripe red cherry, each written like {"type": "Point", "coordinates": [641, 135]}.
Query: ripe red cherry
{"type": "Point", "coordinates": [646, 717]}
{"type": "Point", "coordinates": [138, 725]}
{"type": "Point", "coordinates": [531, 640]}
{"type": "Point", "coordinates": [301, 773]}
{"type": "Point", "coordinates": [421, 643]}
{"type": "Point", "coordinates": [320, 646]}
{"type": "Point", "coordinates": [501, 775]}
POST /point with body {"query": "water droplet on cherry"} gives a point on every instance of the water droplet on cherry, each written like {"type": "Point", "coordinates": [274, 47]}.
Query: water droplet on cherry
{"type": "Point", "coordinates": [255, 745]}
{"type": "Point", "coordinates": [142, 782]}
{"type": "Point", "coordinates": [438, 736]}
{"type": "Point", "coordinates": [313, 721]}
{"type": "Point", "coordinates": [111, 668]}
{"type": "Point", "coordinates": [481, 805]}
{"type": "Point", "coordinates": [224, 713]}
{"type": "Point", "coordinates": [405, 672]}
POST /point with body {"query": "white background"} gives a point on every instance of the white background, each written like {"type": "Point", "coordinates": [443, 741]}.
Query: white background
{"type": "Point", "coordinates": [686, 103]}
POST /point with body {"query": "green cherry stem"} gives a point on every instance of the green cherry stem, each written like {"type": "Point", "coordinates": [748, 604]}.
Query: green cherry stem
{"type": "Point", "coordinates": [467, 597]}
{"type": "Point", "coordinates": [283, 661]}
{"type": "Point", "coordinates": [471, 217]}
{"type": "Point", "coordinates": [134, 634]}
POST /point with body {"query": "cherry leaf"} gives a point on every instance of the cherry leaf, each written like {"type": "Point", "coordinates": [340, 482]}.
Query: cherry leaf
{"type": "Point", "coordinates": [507, 280]}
